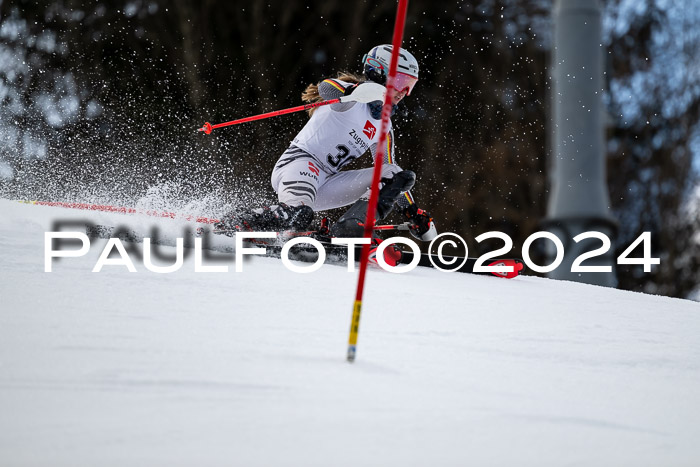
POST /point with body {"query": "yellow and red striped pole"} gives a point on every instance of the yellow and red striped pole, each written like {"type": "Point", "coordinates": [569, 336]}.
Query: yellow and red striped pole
{"type": "Point", "coordinates": [374, 189]}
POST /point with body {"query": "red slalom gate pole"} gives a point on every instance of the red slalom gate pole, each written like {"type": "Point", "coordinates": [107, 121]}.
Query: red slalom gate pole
{"type": "Point", "coordinates": [374, 189]}
{"type": "Point", "coordinates": [208, 127]}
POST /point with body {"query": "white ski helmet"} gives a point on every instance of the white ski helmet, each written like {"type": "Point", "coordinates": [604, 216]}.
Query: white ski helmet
{"type": "Point", "coordinates": [376, 64]}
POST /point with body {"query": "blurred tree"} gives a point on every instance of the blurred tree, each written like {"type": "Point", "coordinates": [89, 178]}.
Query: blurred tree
{"type": "Point", "coordinates": [655, 110]}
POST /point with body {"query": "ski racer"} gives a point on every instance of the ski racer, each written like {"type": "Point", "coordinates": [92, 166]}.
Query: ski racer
{"type": "Point", "coordinates": [308, 177]}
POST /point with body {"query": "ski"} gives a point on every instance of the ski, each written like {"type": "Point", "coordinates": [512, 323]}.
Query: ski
{"type": "Point", "coordinates": [335, 253]}
{"type": "Point", "coordinates": [338, 254]}
{"type": "Point", "coordinates": [467, 264]}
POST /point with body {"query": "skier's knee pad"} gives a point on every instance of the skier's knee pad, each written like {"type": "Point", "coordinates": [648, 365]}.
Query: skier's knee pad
{"type": "Point", "coordinates": [401, 181]}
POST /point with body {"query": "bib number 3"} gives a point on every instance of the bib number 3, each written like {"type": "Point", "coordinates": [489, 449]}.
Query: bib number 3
{"type": "Point", "coordinates": [341, 158]}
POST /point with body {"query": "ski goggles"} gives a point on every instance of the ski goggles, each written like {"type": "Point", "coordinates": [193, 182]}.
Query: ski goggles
{"type": "Point", "coordinates": [404, 82]}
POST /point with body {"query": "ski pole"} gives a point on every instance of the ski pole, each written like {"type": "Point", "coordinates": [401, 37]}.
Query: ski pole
{"type": "Point", "coordinates": [367, 92]}
{"type": "Point", "coordinates": [208, 127]}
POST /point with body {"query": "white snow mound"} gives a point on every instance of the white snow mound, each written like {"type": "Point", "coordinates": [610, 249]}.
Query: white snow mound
{"type": "Point", "coordinates": [117, 368]}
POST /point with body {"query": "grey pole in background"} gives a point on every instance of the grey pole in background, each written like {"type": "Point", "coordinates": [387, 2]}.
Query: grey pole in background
{"type": "Point", "coordinates": [579, 199]}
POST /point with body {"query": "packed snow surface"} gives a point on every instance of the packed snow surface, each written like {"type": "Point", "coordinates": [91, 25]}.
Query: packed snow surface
{"type": "Point", "coordinates": [219, 369]}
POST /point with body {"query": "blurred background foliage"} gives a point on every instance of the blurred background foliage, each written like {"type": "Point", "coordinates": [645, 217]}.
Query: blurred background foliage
{"type": "Point", "coordinates": [100, 102]}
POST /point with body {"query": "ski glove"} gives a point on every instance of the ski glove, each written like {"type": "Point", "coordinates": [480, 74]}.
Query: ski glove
{"type": "Point", "coordinates": [425, 227]}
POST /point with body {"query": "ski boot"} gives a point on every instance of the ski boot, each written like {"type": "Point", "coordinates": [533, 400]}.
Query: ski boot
{"type": "Point", "coordinates": [275, 218]}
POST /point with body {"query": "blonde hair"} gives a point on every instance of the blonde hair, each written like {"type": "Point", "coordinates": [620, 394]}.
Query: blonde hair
{"type": "Point", "coordinates": [311, 94]}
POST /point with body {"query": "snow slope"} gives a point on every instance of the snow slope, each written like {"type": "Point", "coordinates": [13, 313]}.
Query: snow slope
{"type": "Point", "coordinates": [117, 368]}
